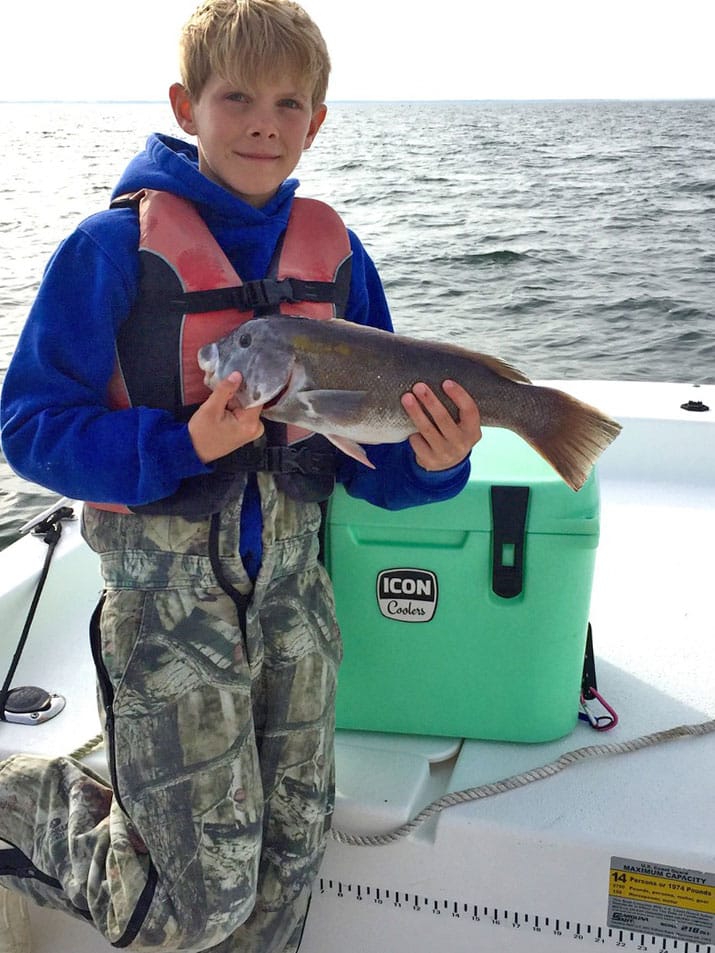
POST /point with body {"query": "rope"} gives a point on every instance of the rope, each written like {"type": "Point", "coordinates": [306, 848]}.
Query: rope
{"type": "Point", "coordinates": [15, 933]}
{"type": "Point", "coordinates": [87, 747]}
{"type": "Point", "coordinates": [576, 756]}
{"type": "Point", "coordinates": [491, 789]}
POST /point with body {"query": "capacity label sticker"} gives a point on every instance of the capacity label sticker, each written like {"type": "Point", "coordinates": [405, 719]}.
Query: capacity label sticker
{"type": "Point", "coordinates": [662, 900]}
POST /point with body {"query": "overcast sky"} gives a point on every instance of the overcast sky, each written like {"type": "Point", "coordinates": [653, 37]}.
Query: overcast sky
{"type": "Point", "coordinates": [384, 49]}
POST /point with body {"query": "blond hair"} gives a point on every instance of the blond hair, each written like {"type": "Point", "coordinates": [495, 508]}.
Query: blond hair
{"type": "Point", "coordinates": [242, 40]}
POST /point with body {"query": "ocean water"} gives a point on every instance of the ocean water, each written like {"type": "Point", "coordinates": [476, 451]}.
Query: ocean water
{"type": "Point", "coordinates": [573, 239]}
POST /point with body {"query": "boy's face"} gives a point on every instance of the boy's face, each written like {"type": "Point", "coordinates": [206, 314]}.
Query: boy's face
{"type": "Point", "coordinates": [250, 136]}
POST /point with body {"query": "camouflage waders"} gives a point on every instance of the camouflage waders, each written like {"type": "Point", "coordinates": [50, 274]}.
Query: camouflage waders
{"type": "Point", "coordinates": [220, 747]}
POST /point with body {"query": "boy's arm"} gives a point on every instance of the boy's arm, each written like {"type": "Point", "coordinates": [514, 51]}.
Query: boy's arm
{"type": "Point", "coordinates": [398, 482]}
{"type": "Point", "coordinates": [57, 430]}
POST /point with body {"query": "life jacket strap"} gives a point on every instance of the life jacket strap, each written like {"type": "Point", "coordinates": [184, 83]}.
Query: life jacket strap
{"type": "Point", "coordinates": [297, 459]}
{"type": "Point", "coordinates": [263, 293]}
{"type": "Point", "coordinates": [276, 459]}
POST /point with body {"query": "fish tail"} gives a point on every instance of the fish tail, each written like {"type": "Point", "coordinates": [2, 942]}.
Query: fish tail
{"type": "Point", "coordinates": [569, 434]}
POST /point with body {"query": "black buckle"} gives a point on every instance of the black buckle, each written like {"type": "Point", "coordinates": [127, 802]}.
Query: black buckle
{"type": "Point", "coordinates": [266, 293]}
{"type": "Point", "coordinates": [297, 460]}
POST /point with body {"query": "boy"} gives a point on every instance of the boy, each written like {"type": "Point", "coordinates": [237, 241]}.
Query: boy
{"type": "Point", "coordinates": [215, 643]}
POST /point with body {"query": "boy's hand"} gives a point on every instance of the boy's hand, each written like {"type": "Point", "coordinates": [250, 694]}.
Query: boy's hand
{"type": "Point", "coordinates": [442, 442]}
{"type": "Point", "coordinates": [221, 425]}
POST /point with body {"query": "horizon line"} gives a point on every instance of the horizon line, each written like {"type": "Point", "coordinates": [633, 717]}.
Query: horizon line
{"type": "Point", "coordinates": [486, 99]}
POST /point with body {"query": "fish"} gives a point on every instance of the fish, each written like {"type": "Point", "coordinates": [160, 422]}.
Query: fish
{"type": "Point", "coordinates": [345, 380]}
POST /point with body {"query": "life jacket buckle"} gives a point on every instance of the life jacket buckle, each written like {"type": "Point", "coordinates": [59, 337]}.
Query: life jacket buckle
{"type": "Point", "coordinates": [266, 292]}
{"type": "Point", "coordinates": [298, 460]}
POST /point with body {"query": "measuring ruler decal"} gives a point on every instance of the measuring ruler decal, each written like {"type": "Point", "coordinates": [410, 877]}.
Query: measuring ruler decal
{"type": "Point", "coordinates": [609, 935]}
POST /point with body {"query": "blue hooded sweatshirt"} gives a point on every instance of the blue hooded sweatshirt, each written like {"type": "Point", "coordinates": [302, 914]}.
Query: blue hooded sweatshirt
{"type": "Point", "coordinates": [57, 429]}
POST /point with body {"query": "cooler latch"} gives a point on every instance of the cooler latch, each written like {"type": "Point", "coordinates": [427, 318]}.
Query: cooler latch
{"type": "Point", "coordinates": [509, 506]}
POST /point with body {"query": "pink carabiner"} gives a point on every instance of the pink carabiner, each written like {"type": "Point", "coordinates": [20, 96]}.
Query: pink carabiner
{"type": "Point", "coordinates": [599, 722]}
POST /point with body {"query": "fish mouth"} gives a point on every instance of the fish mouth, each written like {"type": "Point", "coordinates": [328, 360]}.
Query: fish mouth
{"type": "Point", "coordinates": [280, 393]}
{"type": "Point", "coordinates": [277, 398]}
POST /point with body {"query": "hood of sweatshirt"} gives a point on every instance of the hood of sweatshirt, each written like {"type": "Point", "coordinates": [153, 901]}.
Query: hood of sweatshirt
{"type": "Point", "coordinates": [247, 234]}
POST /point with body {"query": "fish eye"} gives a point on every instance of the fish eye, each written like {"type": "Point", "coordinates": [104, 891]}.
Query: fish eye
{"type": "Point", "coordinates": [244, 340]}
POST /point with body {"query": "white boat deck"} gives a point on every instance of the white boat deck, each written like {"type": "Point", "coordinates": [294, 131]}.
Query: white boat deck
{"type": "Point", "coordinates": [529, 869]}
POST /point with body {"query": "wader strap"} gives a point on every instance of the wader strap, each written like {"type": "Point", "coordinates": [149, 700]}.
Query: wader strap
{"type": "Point", "coordinates": [240, 599]}
{"type": "Point", "coordinates": [322, 530]}
{"type": "Point", "coordinates": [305, 915]}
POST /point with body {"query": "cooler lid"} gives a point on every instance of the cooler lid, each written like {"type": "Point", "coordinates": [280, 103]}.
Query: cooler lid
{"type": "Point", "coordinates": [501, 458]}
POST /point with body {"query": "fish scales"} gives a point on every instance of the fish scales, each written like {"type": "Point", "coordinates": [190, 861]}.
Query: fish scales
{"type": "Point", "coordinates": [393, 364]}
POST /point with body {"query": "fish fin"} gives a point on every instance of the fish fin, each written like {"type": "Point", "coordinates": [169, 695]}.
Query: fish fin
{"type": "Point", "coordinates": [494, 364]}
{"type": "Point", "coordinates": [350, 448]}
{"type": "Point", "coordinates": [340, 406]}
{"type": "Point", "coordinates": [569, 434]}
{"type": "Point", "coordinates": [503, 369]}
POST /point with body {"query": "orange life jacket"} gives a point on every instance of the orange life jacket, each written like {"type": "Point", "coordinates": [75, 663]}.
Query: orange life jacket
{"type": "Point", "coordinates": [190, 295]}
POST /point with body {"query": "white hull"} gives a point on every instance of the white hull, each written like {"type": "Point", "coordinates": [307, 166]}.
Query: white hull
{"type": "Point", "coordinates": [528, 869]}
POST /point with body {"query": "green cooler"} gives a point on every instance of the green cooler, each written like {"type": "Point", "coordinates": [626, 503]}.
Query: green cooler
{"type": "Point", "coordinates": [467, 618]}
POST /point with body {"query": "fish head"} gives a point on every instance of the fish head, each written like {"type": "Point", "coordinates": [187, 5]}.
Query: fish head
{"type": "Point", "coordinates": [264, 358]}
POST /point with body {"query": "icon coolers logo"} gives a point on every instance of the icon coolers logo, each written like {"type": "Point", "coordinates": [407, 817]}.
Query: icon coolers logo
{"type": "Point", "coordinates": [407, 595]}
